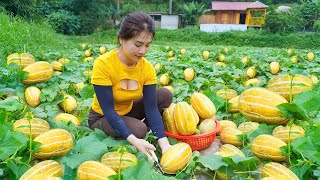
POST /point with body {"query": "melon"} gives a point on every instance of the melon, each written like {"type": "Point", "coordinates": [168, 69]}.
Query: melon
{"type": "Point", "coordinates": [43, 170]}
{"type": "Point", "coordinates": [40, 71]}
{"type": "Point", "coordinates": [278, 172]}
{"type": "Point", "coordinates": [284, 132]}
{"type": "Point", "coordinates": [260, 104]}
{"type": "Point", "coordinates": [67, 117]}
{"type": "Point", "coordinates": [32, 95]}
{"type": "Point", "coordinates": [22, 60]}
{"type": "Point", "coordinates": [203, 105]}
{"type": "Point", "coordinates": [55, 142]}
{"type": "Point", "coordinates": [184, 119]}
{"type": "Point", "coordinates": [176, 158]}
{"type": "Point", "coordinates": [94, 170]}
{"type": "Point", "coordinates": [268, 147]}
{"type": "Point", "coordinates": [37, 125]}
{"type": "Point", "coordinates": [117, 161]}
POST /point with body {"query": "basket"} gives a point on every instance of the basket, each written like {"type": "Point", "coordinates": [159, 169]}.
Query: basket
{"type": "Point", "coordinates": [199, 141]}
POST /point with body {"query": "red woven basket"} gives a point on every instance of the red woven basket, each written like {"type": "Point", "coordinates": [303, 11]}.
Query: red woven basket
{"type": "Point", "coordinates": [200, 141]}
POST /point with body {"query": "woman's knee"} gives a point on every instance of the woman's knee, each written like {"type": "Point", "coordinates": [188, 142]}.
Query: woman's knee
{"type": "Point", "coordinates": [165, 97]}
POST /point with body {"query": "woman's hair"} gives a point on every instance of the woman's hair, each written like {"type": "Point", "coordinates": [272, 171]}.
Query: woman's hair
{"type": "Point", "coordinates": [135, 23]}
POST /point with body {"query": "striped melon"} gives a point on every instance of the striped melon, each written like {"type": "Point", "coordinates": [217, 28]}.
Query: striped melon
{"type": "Point", "coordinates": [67, 117]}
{"type": "Point", "coordinates": [278, 172]}
{"type": "Point", "coordinates": [207, 125]}
{"type": "Point", "coordinates": [68, 104]}
{"type": "Point", "coordinates": [38, 126]}
{"type": "Point", "coordinates": [259, 104]}
{"type": "Point", "coordinates": [112, 160]}
{"type": "Point", "coordinates": [188, 74]}
{"type": "Point", "coordinates": [78, 86]}
{"type": "Point", "coordinates": [252, 81]}
{"type": "Point", "coordinates": [63, 60]}
{"type": "Point", "coordinates": [94, 170]}
{"type": "Point", "coordinates": [283, 132]}
{"type": "Point", "coordinates": [53, 178]}
{"type": "Point", "coordinates": [57, 66]}
{"type": "Point", "coordinates": [227, 94]}
{"type": "Point", "coordinates": [55, 142]}
{"type": "Point", "coordinates": [32, 95]}
{"type": "Point", "coordinates": [230, 135]}
{"type": "Point", "coordinates": [43, 170]}
{"type": "Point", "coordinates": [281, 84]}
{"type": "Point", "coordinates": [168, 119]}
{"type": "Point", "coordinates": [228, 150]}
{"type": "Point", "coordinates": [224, 124]}
{"type": "Point", "coordinates": [183, 118]}
{"type": "Point", "coordinates": [23, 59]}
{"type": "Point", "coordinates": [176, 158]}
{"type": "Point", "coordinates": [246, 127]}
{"type": "Point", "coordinates": [251, 72]}
{"type": "Point", "coordinates": [274, 67]}
{"type": "Point", "coordinates": [195, 115]}
{"type": "Point", "coordinates": [203, 105]}
{"type": "Point", "coordinates": [234, 104]}
{"type": "Point", "coordinates": [40, 71]}
{"type": "Point", "coordinates": [268, 147]}
{"type": "Point", "coordinates": [268, 178]}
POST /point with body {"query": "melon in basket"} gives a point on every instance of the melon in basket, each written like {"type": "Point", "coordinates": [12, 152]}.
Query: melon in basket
{"type": "Point", "coordinates": [184, 119]}
{"type": "Point", "coordinates": [207, 125]}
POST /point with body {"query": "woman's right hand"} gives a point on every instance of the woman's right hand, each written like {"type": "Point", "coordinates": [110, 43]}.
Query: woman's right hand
{"type": "Point", "coordinates": [141, 145]}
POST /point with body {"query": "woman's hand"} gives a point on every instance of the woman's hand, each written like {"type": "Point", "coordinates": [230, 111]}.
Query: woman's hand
{"type": "Point", "coordinates": [142, 145]}
{"type": "Point", "coordinates": [164, 144]}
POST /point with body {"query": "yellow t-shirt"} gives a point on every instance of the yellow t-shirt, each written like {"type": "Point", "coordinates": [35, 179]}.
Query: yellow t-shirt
{"type": "Point", "coordinates": [108, 70]}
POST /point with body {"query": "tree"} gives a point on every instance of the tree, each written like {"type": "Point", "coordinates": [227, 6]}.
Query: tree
{"type": "Point", "coordinates": [192, 11]}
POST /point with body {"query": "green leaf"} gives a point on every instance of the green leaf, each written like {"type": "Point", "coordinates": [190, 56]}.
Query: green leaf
{"type": "Point", "coordinates": [110, 142]}
{"type": "Point", "coordinates": [87, 92]}
{"type": "Point", "coordinates": [217, 101]}
{"type": "Point", "coordinates": [292, 110]}
{"type": "Point", "coordinates": [17, 167]}
{"type": "Point", "coordinates": [11, 104]}
{"type": "Point", "coordinates": [87, 148]}
{"type": "Point", "coordinates": [11, 142]}
{"type": "Point", "coordinates": [212, 161]}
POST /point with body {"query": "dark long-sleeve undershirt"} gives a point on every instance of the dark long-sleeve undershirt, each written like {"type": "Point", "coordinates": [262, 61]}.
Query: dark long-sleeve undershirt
{"type": "Point", "coordinates": [105, 98]}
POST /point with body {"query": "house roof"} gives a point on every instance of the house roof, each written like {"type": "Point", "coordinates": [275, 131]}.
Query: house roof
{"type": "Point", "coordinates": [237, 6]}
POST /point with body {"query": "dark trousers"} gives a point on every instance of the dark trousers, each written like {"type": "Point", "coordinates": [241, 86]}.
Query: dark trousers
{"type": "Point", "coordinates": [133, 118]}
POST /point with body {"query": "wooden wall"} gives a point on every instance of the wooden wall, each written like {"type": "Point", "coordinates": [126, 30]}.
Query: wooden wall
{"type": "Point", "coordinates": [221, 17]}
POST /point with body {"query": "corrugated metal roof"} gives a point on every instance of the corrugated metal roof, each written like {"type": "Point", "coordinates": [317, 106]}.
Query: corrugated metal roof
{"type": "Point", "coordinates": [236, 6]}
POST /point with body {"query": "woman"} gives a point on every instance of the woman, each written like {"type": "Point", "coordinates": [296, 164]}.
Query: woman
{"type": "Point", "coordinates": [120, 78]}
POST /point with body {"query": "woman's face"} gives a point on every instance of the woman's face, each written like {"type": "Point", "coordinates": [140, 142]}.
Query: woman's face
{"type": "Point", "coordinates": [135, 48]}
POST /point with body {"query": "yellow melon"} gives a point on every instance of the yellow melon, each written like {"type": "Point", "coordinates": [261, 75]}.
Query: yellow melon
{"type": "Point", "coordinates": [63, 60]}
{"type": "Point", "coordinates": [68, 117]}
{"type": "Point", "coordinates": [260, 104]}
{"type": "Point", "coordinates": [235, 103]}
{"type": "Point", "coordinates": [228, 150]}
{"type": "Point", "coordinates": [246, 127]}
{"type": "Point", "coordinates": [205, 55]}
{"type": "Point", "coordinates": [268, 147]}
{"type": "Point", "coordinates": [188, 74]}
{"type": "Point", "coordinates": [117, 162]}
{"type": "Point", "coordinates": [274, 67]}
{"type": "Point", "coordinates": [43, 170]}
{"type": "Point", "coordinates": [252, 81]}
{"type": "Point", "coordinates": [78, 86]}
{"type": "Point", "coordinates": [23, 59]}
{"type": "Point", "coordinates": [230, 135]}
{"type": "Point", "coordinates": [278, 172]}
{"type": "Point", "coordinates": [251, 72]}
{"type": "Point", "coordinates": [176, 158]}
{"type": "Point", "coordinates": [37, 125]}
{"type": "Point", "coordinates": [40, 71]}
{"type": "Point", "coordinates": [57, 65]}
{"type": "Point", "coordinates": [285, 132]}
{"type": "Point", "coordinates": [68, 104]}
{"type": "Point", "coordinates": [32, 95]}
{"type": "Point", "coordinates": [207, 125]}
{"type": "Point", "coordinates": [184, 119]}
{"type": "Point", "coordinates": [55, 142]}
{"type": "Point", "coordinates": [281, 84]}
{"type": "Point", "coordinates": [195, 115]}
{"type": "Point", "coordinates": [224, 124]}
{"type": "Point", "coordinates": [94, 170]}
{"type": "Point", "coordinates": [227, 94]}
{"type": "Point", "coordinates": [203, 105]}
{"type": "Point", "coordinates": [168, 119]}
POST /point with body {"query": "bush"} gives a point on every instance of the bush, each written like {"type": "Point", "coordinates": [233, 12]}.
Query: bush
{"type": "Point", "coordinates": [317, 26]}
{"type": "Point", "coordinates": [290, 21]}
{"type": "Point", "coordinates": [64, 22]}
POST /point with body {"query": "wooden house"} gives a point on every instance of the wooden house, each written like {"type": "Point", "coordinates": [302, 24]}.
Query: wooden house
{"type": "Point", "coordinates": [235, 14]}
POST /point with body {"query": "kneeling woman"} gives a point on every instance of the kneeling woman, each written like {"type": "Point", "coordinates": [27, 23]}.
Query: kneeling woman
{"type": "Point", "coordinates": [125, 88]}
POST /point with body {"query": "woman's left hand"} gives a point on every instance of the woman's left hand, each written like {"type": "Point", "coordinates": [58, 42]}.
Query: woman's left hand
{"type": "Point", "coordinates": [164, 144]}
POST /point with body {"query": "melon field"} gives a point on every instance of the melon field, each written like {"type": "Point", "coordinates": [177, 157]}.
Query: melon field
{"type": "Point", "coordinates": [266, 102]}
